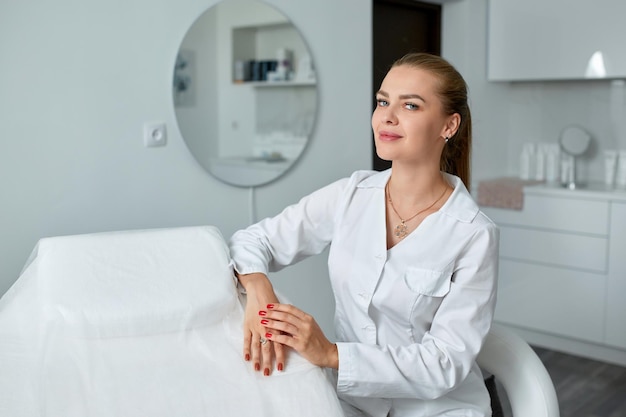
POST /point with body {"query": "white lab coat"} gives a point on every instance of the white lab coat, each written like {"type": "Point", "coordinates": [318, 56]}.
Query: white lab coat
{"type": "Point", "coordinates": [409, 320]}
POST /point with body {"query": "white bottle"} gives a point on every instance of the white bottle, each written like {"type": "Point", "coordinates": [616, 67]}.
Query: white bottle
{"type": "Point", "coordinates": [526, 160]}
{"type": "Point", "coordinates": [540, 162]}
{"type": "Point", "coordinates": [620, 175]}
{"type": "Point", "coordinates": [610, 166]}
{"type": "Point", "coordinates": [568, 173]}
{"type": "Point", "coordinates": [552, 163]}
{"type": "Point", "coordinates": [285, 65]}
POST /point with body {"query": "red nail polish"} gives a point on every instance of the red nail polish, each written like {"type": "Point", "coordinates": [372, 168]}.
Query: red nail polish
{"type": "Point", "coordinates": [266, 372]}
{"type": "Point", "coordinates": [268, 335]}
{"type": "Point", "coordinates": [280, 366]}
{"type": "Point", "coordinates": [257, 367]}
{"type": "Point", "coordinates": [270, 306]}
{"type": "Point", "coordinates": [262, 313]}
{"type": "Point", "coordinates": [247, 357]}
{"type": "Point", "coordinates": [264, 321]}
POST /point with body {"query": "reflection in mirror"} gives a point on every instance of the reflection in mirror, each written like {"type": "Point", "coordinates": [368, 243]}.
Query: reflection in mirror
{"type": "Point", "coordinates": [244, 92]}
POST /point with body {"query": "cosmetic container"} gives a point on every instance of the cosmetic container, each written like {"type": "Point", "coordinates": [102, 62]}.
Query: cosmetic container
{"type": "Point", "coordinates": [540, 162]}
{"type": "Point", "coordinates": [239, 71]}
{"type": "Point", "coordinates": [552, 162]}
{"type": "Point", "coordinates": [610, 165]}
{"type": "Point", "coordinates": [568, 173]}
{"type": "Point", "coordinates": [620, 175]}
{"type": "Point", "coordinates": [527, 158]}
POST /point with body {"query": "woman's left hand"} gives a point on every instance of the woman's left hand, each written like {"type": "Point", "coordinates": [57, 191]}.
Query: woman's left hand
{"type": "Point", "coordinates": [293, 327]}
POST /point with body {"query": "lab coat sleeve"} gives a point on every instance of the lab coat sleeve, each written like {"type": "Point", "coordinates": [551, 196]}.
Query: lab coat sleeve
{"type": "Point", "coordinates": [443, 358]}
{"type": "Point", "coordinates": [299, 231]}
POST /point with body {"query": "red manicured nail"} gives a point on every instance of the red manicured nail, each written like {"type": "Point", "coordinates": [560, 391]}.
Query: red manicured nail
{"type": "Point", "coordinates": [264, 321]}
{"type": "Point", "coordinates": [280, 366]}
{"type": "Point", "coordinates": [266, 372]}
{"type": "Point", "coordinates": [268, 335]}
{"type": "Point", "coordinates": [257, 367]}
{"type": "Point", "coordinates": [247, 357]}
{"type": "Point", "coordinates": [262, 313]}
{"type": "Point", "coordinates": [270, 306]}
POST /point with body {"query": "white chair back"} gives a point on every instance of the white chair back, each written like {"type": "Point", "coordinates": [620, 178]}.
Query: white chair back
{"type": "Point", "coordinates": [517, 367]}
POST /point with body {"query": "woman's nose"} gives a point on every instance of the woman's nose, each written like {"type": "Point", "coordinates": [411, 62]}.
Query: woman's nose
{"type": "Point", "coordinates": [389, 116]}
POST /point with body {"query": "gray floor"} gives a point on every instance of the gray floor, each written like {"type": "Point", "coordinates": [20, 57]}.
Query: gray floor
{"type": "Point", "coordinates": [585, 388]}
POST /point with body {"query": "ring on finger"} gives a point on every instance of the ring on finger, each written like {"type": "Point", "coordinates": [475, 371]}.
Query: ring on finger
{"type": "Point", "coordinates": [263, 341]}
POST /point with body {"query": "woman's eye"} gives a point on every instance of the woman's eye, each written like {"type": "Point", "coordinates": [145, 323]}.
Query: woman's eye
{"type": "Point", "coordinates": [411, 106]}
{"type": "Point", "coordinates": [381, 102]}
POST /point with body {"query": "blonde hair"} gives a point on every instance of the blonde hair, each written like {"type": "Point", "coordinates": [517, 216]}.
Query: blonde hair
{"type": "Point", "coordinates": [452, 91]}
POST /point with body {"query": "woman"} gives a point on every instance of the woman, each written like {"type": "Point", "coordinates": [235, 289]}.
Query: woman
{"type": "Point", "coordinates": [413, 262]}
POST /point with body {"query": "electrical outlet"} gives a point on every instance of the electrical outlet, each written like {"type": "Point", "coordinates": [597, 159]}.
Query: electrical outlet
{"type": "Point", "coordinates": [154, 134]}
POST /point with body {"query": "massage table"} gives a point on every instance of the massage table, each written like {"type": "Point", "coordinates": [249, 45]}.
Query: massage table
{"type": "Point", "coordinates": [140, 323]}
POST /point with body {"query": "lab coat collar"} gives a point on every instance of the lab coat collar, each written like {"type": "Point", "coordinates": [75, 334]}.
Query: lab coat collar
{"type": "Point", "coordinates": [460, 205]}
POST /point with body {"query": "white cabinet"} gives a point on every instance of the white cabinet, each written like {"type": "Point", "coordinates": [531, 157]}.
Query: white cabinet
{"type": "Point", "coordinates": [550, 299]}
{"type": "Point", "coordinates": [555, 40]}
{"type": "Point", "coordinates": [616, 286]}
{"type": "Point", "coordinates": [563, 270]}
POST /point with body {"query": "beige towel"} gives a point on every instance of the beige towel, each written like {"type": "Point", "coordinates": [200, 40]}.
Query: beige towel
{"type": "Point", "coordinates": [505, 192]}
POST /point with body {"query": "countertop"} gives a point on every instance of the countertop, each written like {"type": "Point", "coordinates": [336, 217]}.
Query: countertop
{"type": "Point", "coordinates": [592, 190]}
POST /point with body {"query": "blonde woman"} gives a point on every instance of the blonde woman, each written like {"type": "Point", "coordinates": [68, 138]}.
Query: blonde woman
{"type": "Point", "coordinates": [412, 261]}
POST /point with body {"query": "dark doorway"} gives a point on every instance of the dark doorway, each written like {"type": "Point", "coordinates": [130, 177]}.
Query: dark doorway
{"type": "Point", "coordinates": [400, 27]}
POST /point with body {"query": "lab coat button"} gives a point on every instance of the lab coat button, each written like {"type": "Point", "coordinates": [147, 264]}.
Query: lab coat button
{"type": "Point", "coordinates": [365, 297]}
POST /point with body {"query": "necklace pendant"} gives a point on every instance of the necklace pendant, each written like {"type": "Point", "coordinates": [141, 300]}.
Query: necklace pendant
{"type": "Point", "coordinates": [401, 230]}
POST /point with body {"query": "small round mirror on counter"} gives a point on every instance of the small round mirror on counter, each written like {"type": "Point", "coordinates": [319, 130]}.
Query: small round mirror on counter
{"type": "Point", "coordinates": [574, 141]}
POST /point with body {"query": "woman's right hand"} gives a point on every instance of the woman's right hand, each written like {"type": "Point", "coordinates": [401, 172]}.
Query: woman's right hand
{"type": "Point", "coordinates": [260, 293]}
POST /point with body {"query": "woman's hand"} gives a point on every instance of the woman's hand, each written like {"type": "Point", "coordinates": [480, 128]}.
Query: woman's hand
{"type": "Point", "coordinates": [259, 292]}
{"type": "Point", "coordinates": [290, 326]}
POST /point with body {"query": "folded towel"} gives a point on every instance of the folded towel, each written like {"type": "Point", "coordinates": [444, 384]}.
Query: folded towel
{"type": "Point", "coordinates": [507, 192]}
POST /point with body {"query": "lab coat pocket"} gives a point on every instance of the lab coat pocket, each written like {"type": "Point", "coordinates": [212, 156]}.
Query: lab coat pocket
{"type": "Point", "coordinates": [429, 282]}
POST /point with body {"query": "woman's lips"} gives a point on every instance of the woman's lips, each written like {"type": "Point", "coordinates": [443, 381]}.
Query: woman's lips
{"type": "Point", "coordinates": [388, 136]}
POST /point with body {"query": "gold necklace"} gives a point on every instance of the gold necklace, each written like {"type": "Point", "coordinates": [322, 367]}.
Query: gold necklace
{"type": "Point", "coordinates": [401, 229]}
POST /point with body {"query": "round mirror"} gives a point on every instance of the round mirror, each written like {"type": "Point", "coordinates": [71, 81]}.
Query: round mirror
{"type": "Point", "coordinates": [575, 140]}
{"type": "Point", "coordinates": [245, 92]}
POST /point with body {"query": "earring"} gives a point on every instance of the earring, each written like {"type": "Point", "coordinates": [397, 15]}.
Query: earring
{"type": "Point", "coordinates": [447, 139]}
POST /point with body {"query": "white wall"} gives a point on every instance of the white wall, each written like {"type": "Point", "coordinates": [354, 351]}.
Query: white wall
{"type": "Point", "coordinates": [78, 81]}
{"type": "Point", "coordinates": [464, 34]}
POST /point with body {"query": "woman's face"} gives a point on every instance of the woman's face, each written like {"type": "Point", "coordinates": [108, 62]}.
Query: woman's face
{"type": "Point", "coordinates": [408, 123]}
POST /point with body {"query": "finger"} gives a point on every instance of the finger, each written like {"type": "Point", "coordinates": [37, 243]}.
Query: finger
{"type": "Point", "coordinates": [286, 308]}
{"type": "Point", "coordinates": [278, 326]}
{"type": "Point", "coordinates": [246, 346]}
{"type": "Point", "coordinates": [266, 356]}
{"type": "Point", "coordinates": [282, 339]}
{"type": "Point", "coordinates": [280, 355]}
{"type": "Point", "coordinates": [255, 348]}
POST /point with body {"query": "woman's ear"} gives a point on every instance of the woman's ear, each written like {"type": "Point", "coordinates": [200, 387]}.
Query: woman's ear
{"type": "Point", "coordinates": [452, 125]}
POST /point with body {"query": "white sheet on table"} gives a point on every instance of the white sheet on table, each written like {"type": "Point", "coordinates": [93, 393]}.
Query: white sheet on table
{"type": "Point", "coordinates": [140, 323]}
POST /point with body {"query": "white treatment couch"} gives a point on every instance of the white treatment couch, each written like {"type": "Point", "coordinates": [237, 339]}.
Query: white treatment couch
{"type": "Point", "coordinates": [140, 323]}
